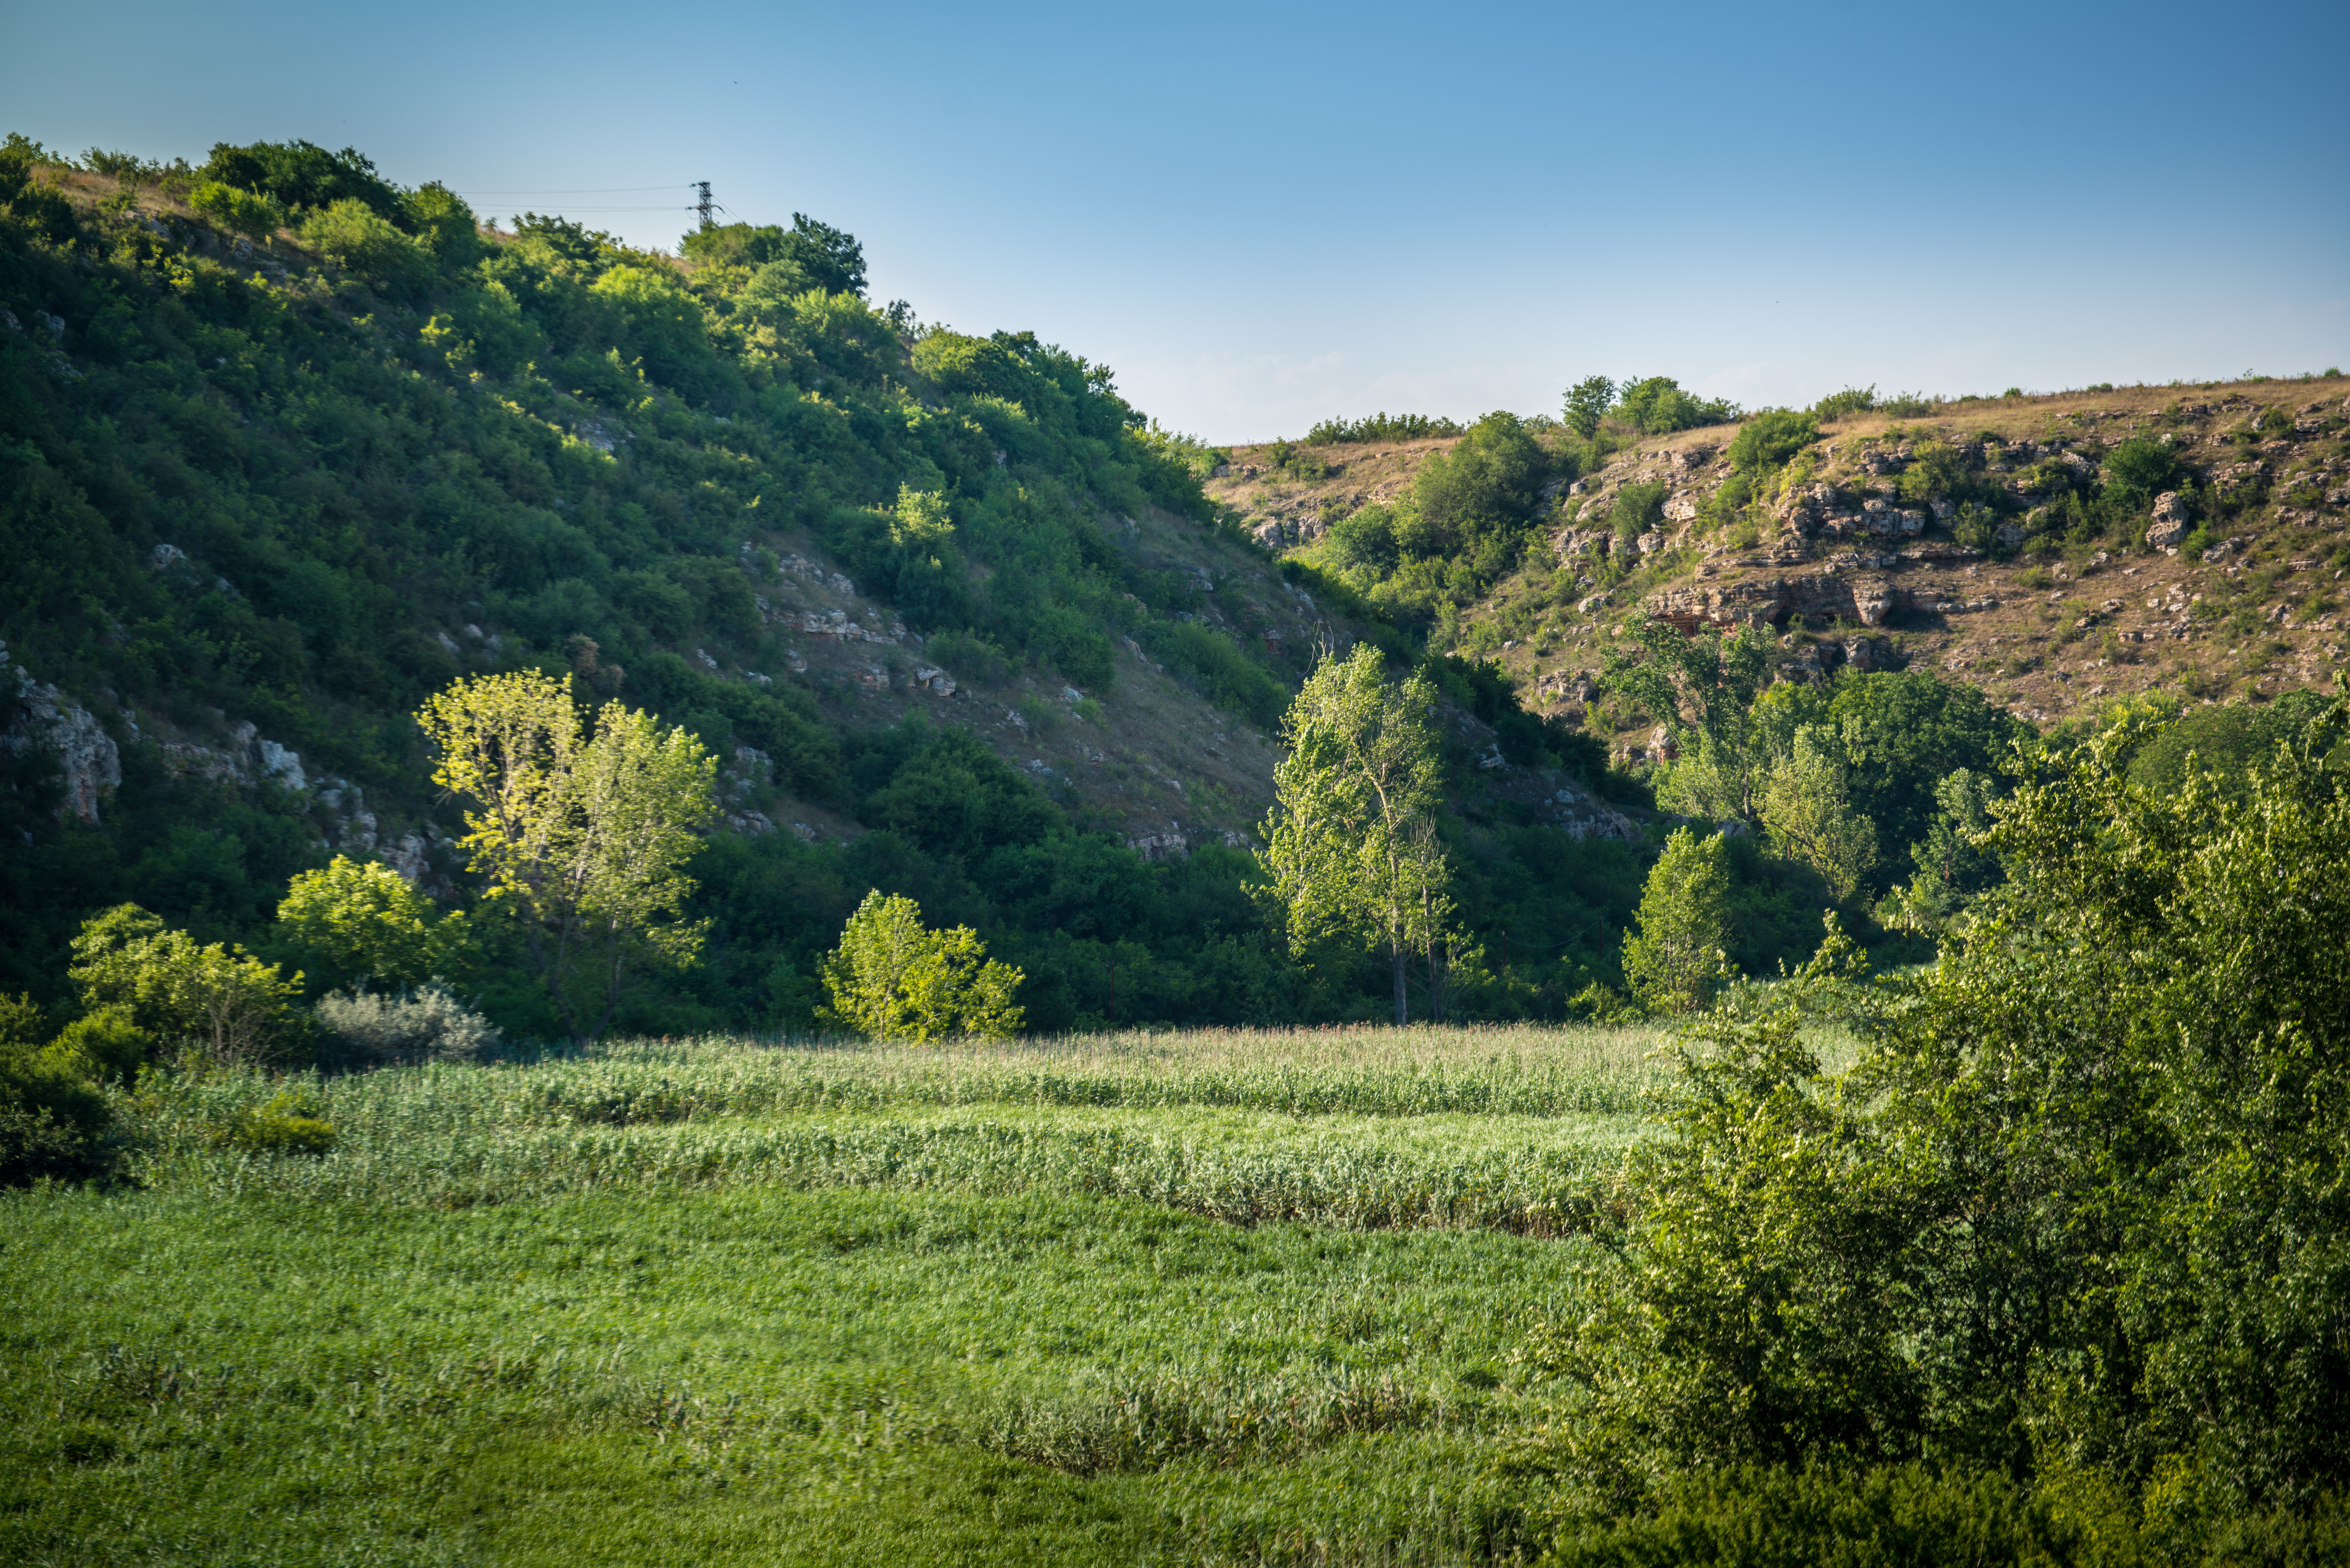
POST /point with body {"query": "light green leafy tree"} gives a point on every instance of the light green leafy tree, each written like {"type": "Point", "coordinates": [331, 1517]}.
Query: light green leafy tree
{"type": "Point", "coordinates": [1716, 777]}
{"type": "Point", "coordinates": [355, 236]}
{"type": "Point", "coordinates": [366, 919]}
{"type": "Point", "coordinates": [218, 1001]}
{"type": "Point", "coordinates": [892, 979]}
{"type": "Point", "coordinates": [1587, 402]}
{"type": "Point", "coordinates": [920, 523]}
{"type": "Point", "coordinates": [1769, 438]}
{"type": "Point", "coordinates": [1678, 958]}
{"type": "Point", "coordinates": [240, 212]}
{"type": "Point", "coordinates": [1351, 844]}
{"type": "Point", "coordinates": [583, 833]}
{"type": "Point", "coordinates": [1807, 810]}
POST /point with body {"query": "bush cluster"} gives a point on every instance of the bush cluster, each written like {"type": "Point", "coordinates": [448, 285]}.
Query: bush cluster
{"type": "Point", "coordinates": [1382, 427]}
{"type": "Point", "coordinates": [2077, 1210]}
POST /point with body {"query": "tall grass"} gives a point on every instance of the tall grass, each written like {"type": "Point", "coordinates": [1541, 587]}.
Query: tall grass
{"type": "Point", "coordinates": [1517, 1129]}
{"type": "Point", "coordinates": [1532, 1177]}
{"type": "Point", "coordinates": [1364, 1071]}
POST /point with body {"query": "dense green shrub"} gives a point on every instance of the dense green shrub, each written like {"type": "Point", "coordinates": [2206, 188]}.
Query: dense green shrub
{"type": "Point", "coordinates": [354, 236]}
{"type": "Point", "coordinates": [53, 1120]}
{"type": "Point", "coordinates": [2138, 470]}
{"type": "Point", "coordinates": [288, 1125]}
{"type": "Point", "coordinates": [443, 225]}
{"type": "Point", "coordinates": [1637, 509]}
{"type": "Point", "coordinates": [1976, 527]}
{"type": "Point", "coordinates": [1936, 472]}
{"type": "Point", "coordinates": [247, 213]}
{"type": "Point", "coordinates": [1851, 401]}
{"type": "Point", "coordinates": [299, 176]}
{"type": "Point", "coordinates": [1491, 477]}
{"type": "Point", "coordinates": [1658, 406]}
{"type": "Point", "coordinates": [2079, 1206]}
{"type": "Point", "coordinates": [1381, 427]}
{"type": "Point", "coordinates": [1465, 525]}
{"type": "Point", "coordinates": [105, 1046]}
{"type": "Point", "coordinates": [1365, 538]}
{"type": "Point", "coordinates": [1770, 437]}
{"type": "Point", "coordinates": [30, 206]}
{"type": "Point", "coordinates": [1226, 676]}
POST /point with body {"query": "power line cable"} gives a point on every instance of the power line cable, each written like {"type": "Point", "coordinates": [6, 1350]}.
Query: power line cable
{"type": "Point", "coordinates": [590, 191]}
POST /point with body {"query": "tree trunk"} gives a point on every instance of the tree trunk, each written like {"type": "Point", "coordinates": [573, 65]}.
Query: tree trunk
{"type": "Point", "coordinates": [1403, 1008]}
{"type": "Point", "coordinates": [1435, 968]}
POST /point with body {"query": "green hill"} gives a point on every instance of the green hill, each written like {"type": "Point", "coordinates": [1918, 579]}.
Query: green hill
{"type": "Point", "coordinates": [284, 449]}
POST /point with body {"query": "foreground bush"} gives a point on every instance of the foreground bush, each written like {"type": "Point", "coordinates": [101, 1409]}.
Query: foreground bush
{"type": "Point", "coordinates": [2084, 1205]}
{"type": "Point", "coordinates": [1895, 1516]}
{"type": "Point", "coordinates": [55, 1123]}
{"type": "Point", "coordinates": [286, 1124]}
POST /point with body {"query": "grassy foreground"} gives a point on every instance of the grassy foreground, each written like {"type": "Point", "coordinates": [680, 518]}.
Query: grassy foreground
{"type": "Point", "coordinates": [1151, 1298]}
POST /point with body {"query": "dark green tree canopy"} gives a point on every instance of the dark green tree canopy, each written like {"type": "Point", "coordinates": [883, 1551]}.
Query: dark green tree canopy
{"type": "Point", "coordinates": [302, 174]}
{"type": "Point", "coordinates": [1902, 731]}
{"type": "Point", "coordinates": [2226, 743]}
{"type": "Point", "coordinates": [809, 254]}
{"type": "Point", "coordinates": [831, 258]}
{"type": "Point", "coordinates": [1658, 406]}
{"type": "Point", "coordinates": [1490, 480]}
{"type": "Point", "coordinates": [1587, 402]}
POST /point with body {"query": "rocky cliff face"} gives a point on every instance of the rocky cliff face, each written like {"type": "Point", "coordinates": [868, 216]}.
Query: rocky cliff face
{"type": "Point", "coordinates": [1854, 567]}
{"type": "Point", "coordinates": [44, 720]}
{"type": "Point", "coordinates": [1859, 562]}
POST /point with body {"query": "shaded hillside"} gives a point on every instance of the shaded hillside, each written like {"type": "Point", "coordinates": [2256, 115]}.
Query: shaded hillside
{"type": "Point", "coordinates": [287, 448]}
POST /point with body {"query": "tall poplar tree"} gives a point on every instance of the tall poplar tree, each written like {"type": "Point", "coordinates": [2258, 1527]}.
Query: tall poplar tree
{"type": "Point", "coordinates": [1351, 843]}
{"type": "Point", "coordinates": [1676, 960]}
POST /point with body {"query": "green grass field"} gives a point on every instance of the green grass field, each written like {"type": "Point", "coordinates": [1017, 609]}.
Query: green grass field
{"type": "Point", "coordinates": [1210, 1297]}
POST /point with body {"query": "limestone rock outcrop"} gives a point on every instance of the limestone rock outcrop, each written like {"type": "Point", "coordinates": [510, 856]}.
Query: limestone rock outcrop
{"type": "Point", "coordinates": [43, 718]}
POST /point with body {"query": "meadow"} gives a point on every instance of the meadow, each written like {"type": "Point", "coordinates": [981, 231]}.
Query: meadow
{"type": "Point", "coordinates": [1210, 1296]}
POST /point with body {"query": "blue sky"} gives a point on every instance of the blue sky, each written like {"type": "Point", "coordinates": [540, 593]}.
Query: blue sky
{"type": "Point", "coordinates": [1263, 215]}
